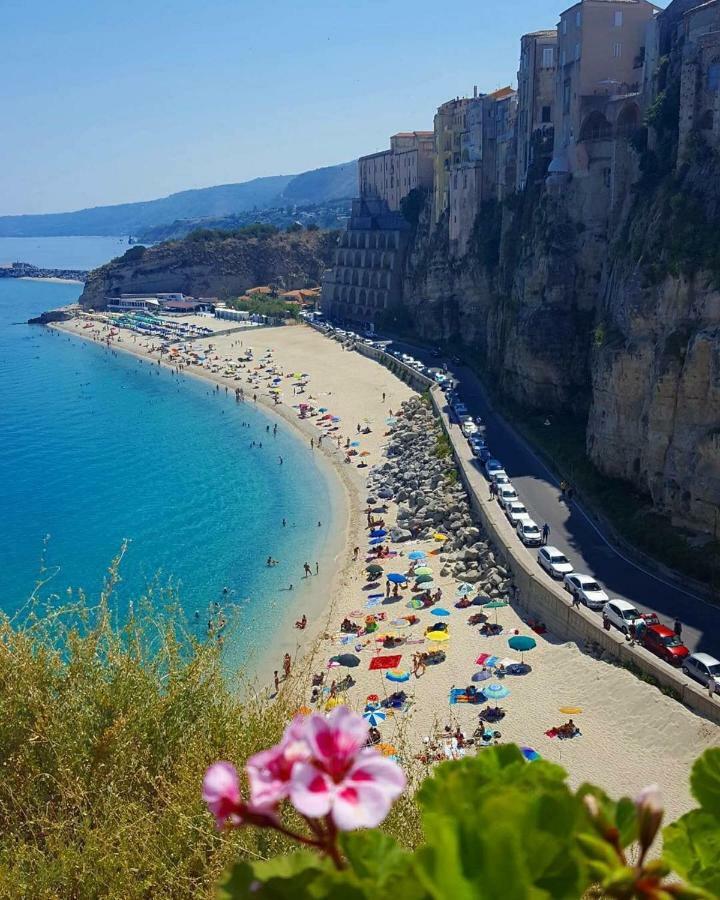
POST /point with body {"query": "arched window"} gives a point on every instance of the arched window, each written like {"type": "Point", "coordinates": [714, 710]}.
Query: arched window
{"type": "Point", "coordinates": [595, 128]}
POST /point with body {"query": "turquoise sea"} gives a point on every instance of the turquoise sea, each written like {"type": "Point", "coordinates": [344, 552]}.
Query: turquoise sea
{"type": "Point", "coordinates": [98, 448]}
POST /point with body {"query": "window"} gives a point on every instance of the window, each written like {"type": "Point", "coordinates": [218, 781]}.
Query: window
{"type": "Point", "coordinates": [714, 77]}
{"type": "Point", "coordinates": [617, 49]}
{"type": "Point", "coordinates": [562, 58]}
{"type": "Point", "coordinates": [547, 114]}
{"type": "Point", "coordinates": [577, 51]}
{"type": "Point", "coordinates": [566, 97]}
{"type": "Point", "coordinates": [548, 57]}
{"type": "Point", "coordinates": [564, 26]}
{"type": "Point", "coordinates": [617, 18]}
{"type": "Point", "coordinates": [578, 19]}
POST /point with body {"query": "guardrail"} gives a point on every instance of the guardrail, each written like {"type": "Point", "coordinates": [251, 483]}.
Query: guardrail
{"type": "Point", "coordinates": [545, 599]}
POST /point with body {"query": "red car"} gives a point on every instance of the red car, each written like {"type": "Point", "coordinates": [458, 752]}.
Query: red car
{"type": "Point", "coordinates": [665, 644]}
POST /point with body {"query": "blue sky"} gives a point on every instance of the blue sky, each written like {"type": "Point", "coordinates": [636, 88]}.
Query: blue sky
{"type": "Point", "coordinates": [107, 102]}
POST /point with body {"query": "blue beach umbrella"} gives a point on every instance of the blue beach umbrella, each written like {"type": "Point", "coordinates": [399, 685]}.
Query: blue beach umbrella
{"type": "Point", "coordinates": [439, 612]}
{"type": "Point", "coordinates": [522, 643]}
{"type": "Point", "coordinates": [396, 578]}
{"type": "Point", "coordinates": [496, 692]}
{"type": "Point", "coordinates": [464, 589]}
{"type": "Point", "coordinates": [336, 418]}
{"type": "Point", "coordinates": [355, 444]}
{"type": "Point", "coordinates": [323, 409]}
{"type": "Point", "coordinates": [378, 533]}
{"type": "Point", "coordinates": [375, 541]}
{"type": "Point", "coordinates": [374, 717]}
{"type": "Point", "coordinates": [481, 676]}
{"type": "Point", "coordinates": [397, 675]}
{"type": "Point", "coordinates": [530, 754]}
{"type": "Point", "coordinates": [416, 554]}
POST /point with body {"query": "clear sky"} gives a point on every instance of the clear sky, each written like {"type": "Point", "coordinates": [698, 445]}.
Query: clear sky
{"type": "Point", "coordinates": [107, 101]}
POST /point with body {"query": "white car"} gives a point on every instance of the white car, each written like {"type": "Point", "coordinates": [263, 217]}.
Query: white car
{"type": "Point", "coordinates": [529, 533]}
{"type": "Point", "coordinates": [469, 428]}
{"type": "Point", "coordinates": [506, 494]}
{"type": "Point", "coordinates": [499, 474]}
{"type": "Point", "coordinates": [622, 615]}
{"type": "Point", "coordinates": [703, 668]}
{"type": "Point", "coordinates": [516, 512]}
{"type": "Point", "coordinates": [586, 590]}
{"type": "Point", "coordinates": [554, 562]}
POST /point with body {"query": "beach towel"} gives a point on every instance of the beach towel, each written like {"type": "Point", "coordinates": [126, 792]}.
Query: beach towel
{"type": "Point", "coordinates": [374, 602]}
{"type": "Point", "coordinates": [375, 596]}
{"type": "Point", "coordinates": [480, 661]}
{"type": "Point", "coordinates": [385, 662]}
{"type": "Point", "coordinates": [552, 732]}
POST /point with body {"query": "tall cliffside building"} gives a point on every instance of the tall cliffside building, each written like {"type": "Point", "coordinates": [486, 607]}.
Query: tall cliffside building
{"type": "Point", "coordinates": [601, 47]}
{"type": "Point", "coordinates": [366, 278]}
{"type": "Point", "coordinates": [536, 97]}
{"type": "Point", "coordinates": [391, 174]}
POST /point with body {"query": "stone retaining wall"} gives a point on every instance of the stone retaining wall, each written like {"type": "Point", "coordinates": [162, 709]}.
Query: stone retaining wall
{"type": "Point", "coordinates": [544, 597]}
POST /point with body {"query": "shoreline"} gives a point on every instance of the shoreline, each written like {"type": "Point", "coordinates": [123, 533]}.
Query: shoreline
{"type": "Point", "coordinates": [345, 503]}
{"type": "Point", "coordinates": [50, 279]}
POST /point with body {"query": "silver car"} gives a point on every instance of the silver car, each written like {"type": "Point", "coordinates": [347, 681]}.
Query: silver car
{"type": "Point", "coordinates": [586, 590]}
{"type": "Point", "coordinates": [555, 563]}
{"type": "Point", "coordinates": [703, 668]}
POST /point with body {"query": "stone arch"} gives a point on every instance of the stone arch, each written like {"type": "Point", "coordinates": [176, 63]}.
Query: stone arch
{"type": "Point", "coordinates": [628, 120]}
{"type": "Point", "coordinates": [366, 278]}
{"type": "Point", "coordinates": [355, 277]}
{"type": "Point", "coordinates": [352, 296]}
{"type": "Point", "coordinates": [362, 297]}
{"type": "Point", "coordinates": [595, 127]}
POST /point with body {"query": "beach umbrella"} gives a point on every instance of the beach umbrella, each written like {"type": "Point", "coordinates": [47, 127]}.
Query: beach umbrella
{"type": "Point", "coordinates": [496, 605]}
{"type": "Point", "coordinates": [374, 717]}
{"type": "Point", "coordinates": [415, 603]}
{"type": "Point", "coordinates": [427, 584]}
{"type": "Point", "coordinates": [464, 589]}
{"type": "Point", "coordinates": [438, 536]}
{"type": "Point", "coordinates": [398, 675]}
{"type": "Point", "coordinates": [571, 710]}
{"type": "Point", "coordinates": [522, 643]}
{"type": "Point", "coordinates": [365, 453]}
{"type": "Point", "coordinates": [400, 623]}
{"type": "Point", "coordinates": [349, 660]}
{"type": "Point", "coordinates": [323, 409]}
{"type": "Point", "coordinates": [374, 569]}
{"type": "Point", "coordinates": [496, 691]}
{"type": "Point", "coordinates": [336, 418]}
{"type": "Point", "coordinates": [437, 635]}
{"type": "Point", "coordinates": [391, 420]}
{"type": "Point", "coordinates": [417, 554]}
{"type": "Point", "coordinates": [439, 612]}
{"type": "Point", "coordinates": [396, 578]}
{"type": "Point", "coordinates": [355, 443]}
{"type": "Point", "coordinates": [378, 533]}
{"type": "Point", "coordinates": [423, 570]}
{"type": "Point", "coordinates": [424, 579]}
{"type": "Point", "coordinates": [333, 702]}
{"type": "Point", "coordinates": [481, 676]}
{"type": "Point", "coordinates": [530, 754]}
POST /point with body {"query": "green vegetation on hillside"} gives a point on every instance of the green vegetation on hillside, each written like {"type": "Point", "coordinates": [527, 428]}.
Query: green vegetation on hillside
{"type": "Point", "coordinates": [266, 305]}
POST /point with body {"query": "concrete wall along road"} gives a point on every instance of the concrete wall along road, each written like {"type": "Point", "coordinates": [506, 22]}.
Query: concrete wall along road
{"type": "Point", "coordinates": [545, 599]}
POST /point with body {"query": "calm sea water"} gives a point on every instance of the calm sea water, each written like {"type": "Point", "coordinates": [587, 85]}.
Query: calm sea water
{"type": "Point", "coordinates": [98, 448]}
{"type": "Point", "coordinates": [62, 252]}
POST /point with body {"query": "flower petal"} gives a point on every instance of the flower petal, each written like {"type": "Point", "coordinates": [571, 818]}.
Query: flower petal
{"type": "Point", "coordinates": [365, 796]}
{"type": "Point", "coordinates": [310, 790]}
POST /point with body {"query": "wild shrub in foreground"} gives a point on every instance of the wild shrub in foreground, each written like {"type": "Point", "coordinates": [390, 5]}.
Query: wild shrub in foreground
{"type": "Point", "coordinates": [495, 826]}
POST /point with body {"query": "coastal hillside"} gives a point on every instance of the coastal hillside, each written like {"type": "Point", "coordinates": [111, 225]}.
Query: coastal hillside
{"type": "Point", "coordinates": [213, 264]}
{"type": "Point", "coordinates": [316, 186]}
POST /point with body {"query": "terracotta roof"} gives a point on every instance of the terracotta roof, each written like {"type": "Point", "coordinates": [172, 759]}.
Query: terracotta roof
{"type": "Point", "coordinates": [501, 93]}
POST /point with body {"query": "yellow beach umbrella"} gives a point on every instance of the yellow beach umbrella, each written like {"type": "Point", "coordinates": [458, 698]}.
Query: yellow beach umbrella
{"type": "Point", "coordinates": [439, 537]}
{"type": "Point", "coordinates": [335, 701]}
{"type": "Point", "coordinates": [571, 710]}
{"type": "Point", "coordinates": [437, 635]}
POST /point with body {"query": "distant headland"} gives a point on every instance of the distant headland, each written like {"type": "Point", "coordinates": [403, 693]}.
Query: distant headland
{"type": "Point", "coordinates": [26, 270]}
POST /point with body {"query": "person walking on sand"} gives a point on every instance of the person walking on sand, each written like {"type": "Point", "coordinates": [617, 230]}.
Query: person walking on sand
{"type": "Point", "coordinates": [276, 678]}
{"type": "Point", "coordinates": [307, 569]}
{"type": "Point", "coordinates": [545, 533]}
{"type": "Point", "coordinates": [287, 662]}
{"type": "Point", "coordinates": [356, 551]}
{"type": "Point", "coordinates": [317, 568]}
{"type": "Point", "coordinates": [388, 588]}
{"type": "Point", "coordinates": [312, 443]}
{"type": "Point", "coordinates": [383, 399]}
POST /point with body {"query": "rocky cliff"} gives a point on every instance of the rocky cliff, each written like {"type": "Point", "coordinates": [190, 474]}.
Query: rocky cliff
{"type": "Point", "coordinates": [213, 265]}
{"type": "Point", "coordinates": [599, 296]}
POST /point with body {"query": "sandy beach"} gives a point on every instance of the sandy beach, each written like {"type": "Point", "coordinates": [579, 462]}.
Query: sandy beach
{"type": "Point", "coordinates": [631, 734]}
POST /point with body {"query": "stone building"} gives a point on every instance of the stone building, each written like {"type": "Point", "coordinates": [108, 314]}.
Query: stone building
{"type": "Point", "coordinates": [536, 96]}
{"type": "Point", "coordinates": [391, 174]}
{"type": "Point", "coordinates": [366, 278]}
{"type": "Point", "coordinates": [601, 46]}
{"type": "Point", "coordinates": [700, 80]}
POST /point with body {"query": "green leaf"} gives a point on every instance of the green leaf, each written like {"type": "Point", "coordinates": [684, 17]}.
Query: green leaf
{"type": "Point", "coordinates": [705, 781]}
{"type": "Point", "coordinates": [691, 845]}
{"type": "Point", "coordinates": [281, 878]}
{"type": "Point", "coordinates": [374, 855]}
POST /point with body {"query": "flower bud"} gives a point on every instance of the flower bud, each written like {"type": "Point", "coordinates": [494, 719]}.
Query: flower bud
{"type": "Point", "coordinates": [650, 815]}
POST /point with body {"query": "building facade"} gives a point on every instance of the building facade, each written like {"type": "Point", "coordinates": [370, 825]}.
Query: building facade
{"type": "Point", "coordinates": [700, 79]}
{"type": "Point", "coordinates": [391, 174]}
{"type": "Point", "coordinates": [601, 48]}
{"type": "Point", "coordinates": [536, 96]}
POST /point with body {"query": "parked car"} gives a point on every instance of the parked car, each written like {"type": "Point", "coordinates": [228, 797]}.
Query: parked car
{"type": "Point", "coordinates": [484, 455]}
{"type": "Point", "coordinates": [492, 465]}
{"type": "Point", "coordinates": [664, 643]}
{"type": "Point", "coordinates": [516, 512]}
{"type": "Point", "coordinates": [498, 476]}
{"type": "Point", "coordinates": [622, 615]}
{"type": "Point", "coordinates": [506, 494]}
{"type": "Point", "coordinates": [529, 533]}
{"type": "Point", "coordinates": [460, 409]}
{"type": "Point", "coordinates": [586, 589]}
{"type": "Point", "coordinates": [703, 668]}
{"type": "Point", "coordinates": [469, 428]}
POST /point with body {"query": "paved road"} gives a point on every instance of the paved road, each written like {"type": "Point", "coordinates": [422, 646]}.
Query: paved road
{"type": "Point", "coordinates": [573, 532]}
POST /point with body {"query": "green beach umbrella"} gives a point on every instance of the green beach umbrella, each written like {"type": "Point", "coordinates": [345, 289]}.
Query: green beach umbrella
{"type": "Point", "coordinates": [423, 570]}
{"type": "Point", "coordinates": [522, 643]}
{"type": "Point", "coordinates": [496, 605]}
{"type": "Point", "coordinates": [423, 579]}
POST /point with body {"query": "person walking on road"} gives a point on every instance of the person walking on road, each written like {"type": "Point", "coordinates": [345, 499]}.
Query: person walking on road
{"type": "Point", "coordinates": [545, 533]}
{"type": "Point", "coordinates": [493, 490]}
{"type": "Point", "coordinates": [576, 601]}
{"type": "Point", "coordinates": [677, 628]}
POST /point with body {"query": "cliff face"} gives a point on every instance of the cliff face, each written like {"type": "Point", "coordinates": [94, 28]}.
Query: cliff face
{"type": "Point", "coordinates": [214, 268]}
{"type": "Point", "coordinates": [603, 303]}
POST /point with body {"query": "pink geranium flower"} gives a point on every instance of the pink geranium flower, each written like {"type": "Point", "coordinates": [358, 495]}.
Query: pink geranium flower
{"type": "Point", "coordinates": [354, 785]}
{"type": "Point", "coordinates": [269, 771]}
{"type": "Point", "coordinates": [221, 792]}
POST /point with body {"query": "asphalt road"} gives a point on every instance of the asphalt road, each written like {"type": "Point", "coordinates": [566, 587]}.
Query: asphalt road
{"type": "Point", "coordinates": [573, 532]}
